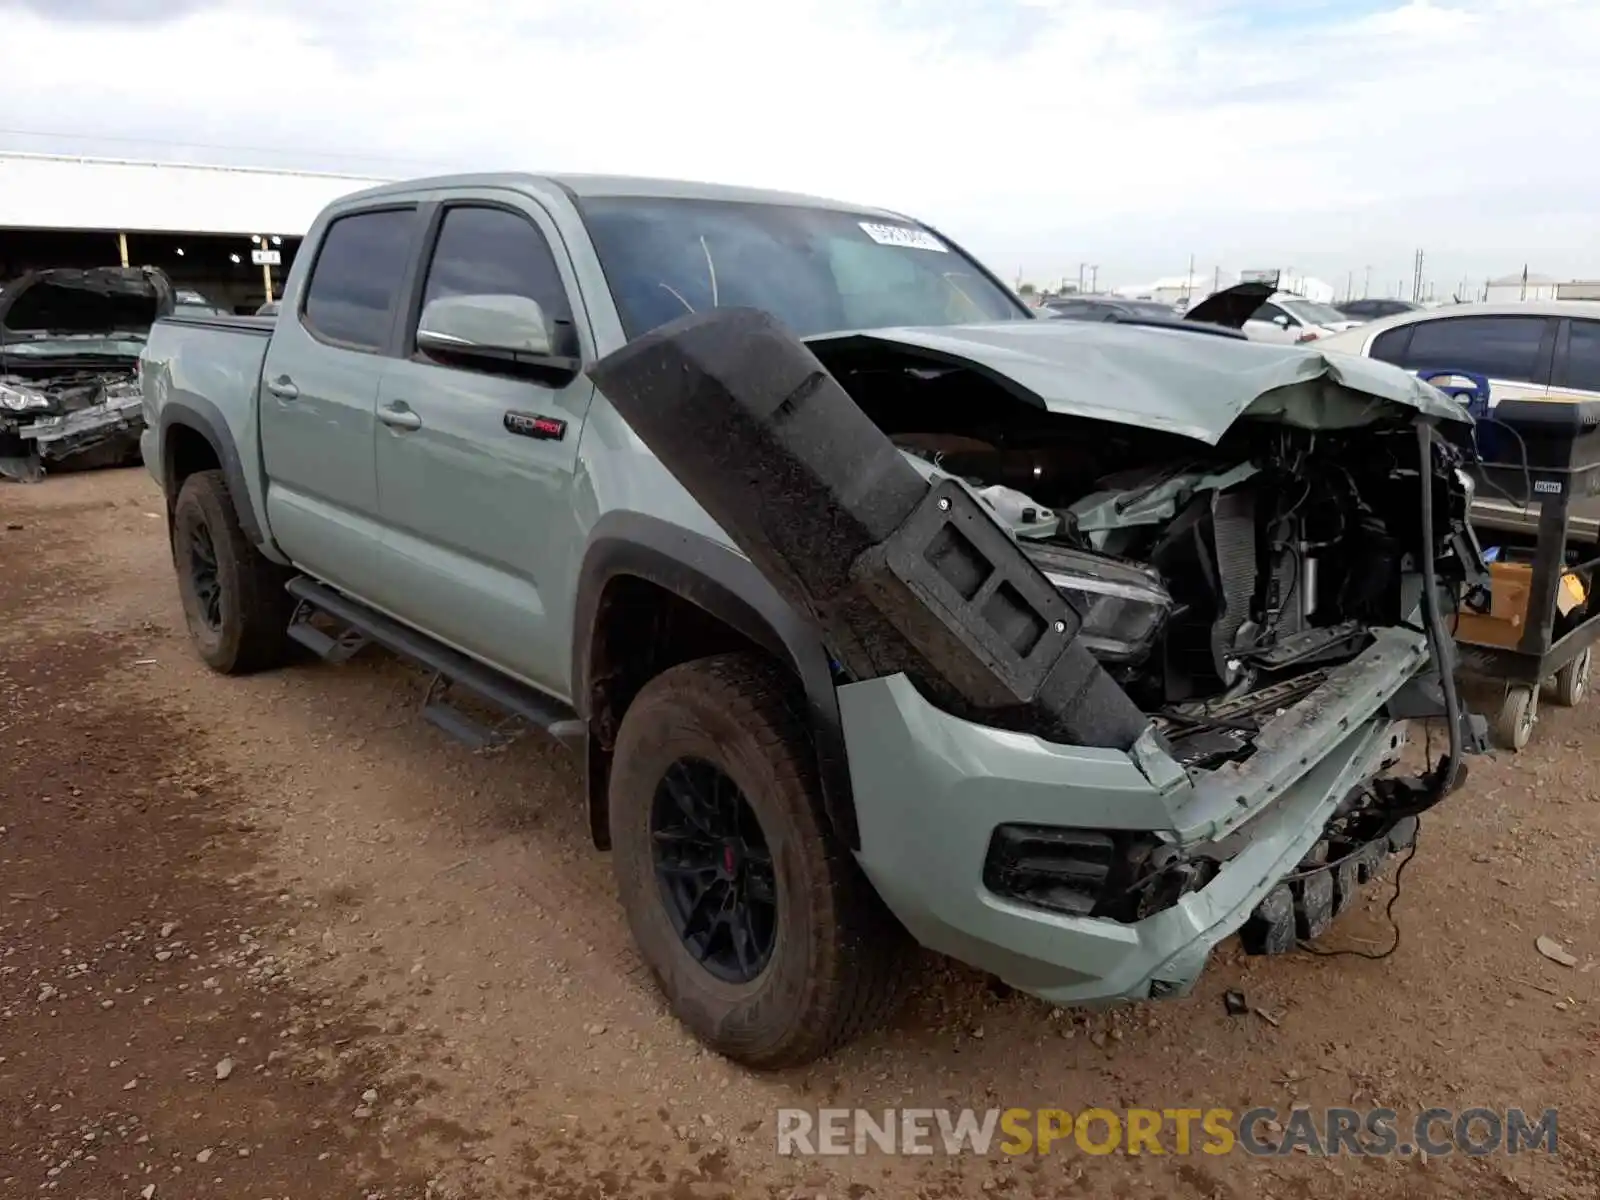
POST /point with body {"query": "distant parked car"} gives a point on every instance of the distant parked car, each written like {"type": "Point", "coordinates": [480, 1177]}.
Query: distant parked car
{"type": "Point", "coordinates": [1527, 349]}
{"type": "Point", "coordinates": [1372, 309]}
{"type": "Point", "coordinates": [1269, 316]}
{"type": "Point", "coordinates": [69, 353]}
{"type": "Point", "coordinates": [1290, 318]}
{"type": "Point", "coordinates": [1105, 308]}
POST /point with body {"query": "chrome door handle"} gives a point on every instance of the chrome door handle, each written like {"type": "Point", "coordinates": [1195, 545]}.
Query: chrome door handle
{"type": "Point", "coordinates": [398, 416]}
{"type": "Point", "coordinates": [283, 388]}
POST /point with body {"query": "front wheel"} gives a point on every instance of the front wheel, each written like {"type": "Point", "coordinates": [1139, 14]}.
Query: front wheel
{"type": "Point", "coordinates": [233, 596]}
{"type": "Point", "coordinates": [767, 940]}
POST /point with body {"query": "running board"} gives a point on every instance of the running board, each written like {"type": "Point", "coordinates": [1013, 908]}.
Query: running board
{"type": "Point", "coordinates": [328, 647]}
{"type": "Point", "coordinates": [360, 625]}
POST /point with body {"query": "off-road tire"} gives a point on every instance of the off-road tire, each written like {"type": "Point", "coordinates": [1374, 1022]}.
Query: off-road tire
{"type": "Point", "coordinates": [839, 956]}
{"type": "Point", "coordinates": [255, 609]}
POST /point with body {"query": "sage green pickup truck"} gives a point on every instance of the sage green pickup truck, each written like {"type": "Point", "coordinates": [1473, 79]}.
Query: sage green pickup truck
{"type": "Point", "coordinates": [1259, 546]}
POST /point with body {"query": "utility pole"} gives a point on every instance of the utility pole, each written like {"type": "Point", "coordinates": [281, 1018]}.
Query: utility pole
{"type": "Point", "coordinates": [1188, 281]}
{"type": "Point", "coordinates": [266, 256]}
{"type": "Point", "coordinates": [1094, 275]}
{"type": "Point", "coordinates": [1082, 267]}
{"type": "Point", "coordinates": [1416, 278]}
{"type": "Point", "coordinates": [1366, 287]}
{"type": "Point", "coordinates": [1350, 287]}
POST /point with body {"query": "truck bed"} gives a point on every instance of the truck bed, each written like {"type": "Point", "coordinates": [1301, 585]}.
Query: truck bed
{"type": "Point", "coordinates": [202, 354]}
{"type": "Point", "coordinates": [244, 323]}
{"type": "Point", "coordinates": [209, 367]}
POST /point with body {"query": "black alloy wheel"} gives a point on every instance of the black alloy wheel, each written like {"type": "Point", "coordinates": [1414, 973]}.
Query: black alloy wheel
{"type": "Point", "coordinates": [715, 870]}
{"type": "Point", "coordinates": [234, 601]}
{"type": "Point", "coordinates": [203, 576]}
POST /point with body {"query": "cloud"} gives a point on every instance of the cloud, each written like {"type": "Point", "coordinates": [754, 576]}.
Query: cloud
{"type": "Point", "coordinates": [1040, 133]}
{"type": "Point", "coordinates": [107, 11]}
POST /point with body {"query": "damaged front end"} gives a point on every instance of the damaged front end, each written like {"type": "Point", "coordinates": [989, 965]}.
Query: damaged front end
{"type": "Point", "coordinates": [1129, 623]}
{"type": "Point", "coordinates": [69, 360]}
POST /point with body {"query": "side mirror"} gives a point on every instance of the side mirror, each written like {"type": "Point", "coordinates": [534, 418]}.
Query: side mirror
{"type": "Point", "coordinates": [1281, 321]}
{"type": "Point", "coordinates": [510, 329]}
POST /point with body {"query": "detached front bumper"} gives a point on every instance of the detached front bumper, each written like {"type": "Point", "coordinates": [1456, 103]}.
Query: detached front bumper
{"type": "Point", "coordinates": [931, 789]}
{"type": "Point", "coordinates": [31, 441]}
{"type": "Point", "coordinates": [119, 415]}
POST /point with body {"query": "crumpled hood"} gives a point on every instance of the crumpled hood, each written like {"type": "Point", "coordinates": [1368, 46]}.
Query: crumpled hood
{"type": "Point", "coordinates": [99, 300]}
{"type": "Point", "coordinates": [1172, 380]}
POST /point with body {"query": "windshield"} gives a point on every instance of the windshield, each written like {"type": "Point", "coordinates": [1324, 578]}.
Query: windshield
{"type": "Point", "coordinates": [817, 270]}
{"type": "Point", "coordinates": [1313, 313]}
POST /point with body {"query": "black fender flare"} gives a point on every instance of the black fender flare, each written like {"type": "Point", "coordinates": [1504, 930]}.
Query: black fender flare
{"type": "Point", "coordinates": [729, 587]}
{"type": "Point", "coordinates": [203, 417]}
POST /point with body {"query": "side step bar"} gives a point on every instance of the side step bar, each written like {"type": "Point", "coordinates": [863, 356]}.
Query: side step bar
{"type": "Point", "coordinates": [361, 625]}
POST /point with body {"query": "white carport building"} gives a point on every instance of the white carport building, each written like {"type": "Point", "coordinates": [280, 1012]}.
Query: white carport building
{"type": "Point", "coordinates": [229, 233]}
{"type": "Point", "coordinates": [1170, 289]}
{"type": "Point", "coordinates": [1194, 288]}
{"type": "Point", "coordinates": [1521, 286]}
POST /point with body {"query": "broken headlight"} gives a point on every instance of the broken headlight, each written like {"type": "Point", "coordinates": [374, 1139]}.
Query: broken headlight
{"type": "Point", "coordinates": [15, 399]}
{"type": "Point", "coordinates": [1123, 605]}
{"type": "Point", "coordinates": [1064, 870]}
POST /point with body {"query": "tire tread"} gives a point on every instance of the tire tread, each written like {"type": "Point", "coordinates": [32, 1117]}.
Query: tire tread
{"type": "Point", "coordinates": [263, 605]}
{"type": "Point", "coordinates": [860, 971]}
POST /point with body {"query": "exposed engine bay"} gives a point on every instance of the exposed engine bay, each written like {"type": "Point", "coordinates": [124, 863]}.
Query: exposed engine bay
{"type": "Point", "coordinates": [1218, 585]}
{"type": "Point", "coordinates": [1231, 562]}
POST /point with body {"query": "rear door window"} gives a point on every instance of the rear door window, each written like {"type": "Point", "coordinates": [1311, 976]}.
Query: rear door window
{"type": "Point", "coordinates": [1506, 348]}
{"type": "Point", "coordinates": [356, 280]}
{"type": "Point", "coordinates": [1582, 371]}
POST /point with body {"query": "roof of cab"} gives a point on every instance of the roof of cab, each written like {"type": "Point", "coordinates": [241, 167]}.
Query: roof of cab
{"type": "Point", "coordinates": [584, 187]}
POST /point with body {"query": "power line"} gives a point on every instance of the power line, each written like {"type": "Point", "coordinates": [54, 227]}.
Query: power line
{"type": "Point", "coordinates": [231, 146]}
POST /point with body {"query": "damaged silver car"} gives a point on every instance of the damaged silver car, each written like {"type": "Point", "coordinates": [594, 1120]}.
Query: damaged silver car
{"type": "Point", "coordinates": [69, 366]}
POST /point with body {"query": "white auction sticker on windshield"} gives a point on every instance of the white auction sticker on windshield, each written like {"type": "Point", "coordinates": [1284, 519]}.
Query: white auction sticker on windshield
{"type": "Point", "coordinates": [902, 235]}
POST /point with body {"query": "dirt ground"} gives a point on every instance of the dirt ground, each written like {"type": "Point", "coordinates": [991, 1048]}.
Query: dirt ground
{"type": "Point", "coordinates": [278, 937]}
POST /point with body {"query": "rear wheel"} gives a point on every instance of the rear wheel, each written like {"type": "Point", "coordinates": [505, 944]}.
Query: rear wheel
{"type": "Point", "coordinates": [233, 596]}
{"type": "Point", "coordinates": [767, 940]}
{"type": "Point", "coordinates": [1519, 712]}
{"type": "Point", "coordinates": [1572, 681]}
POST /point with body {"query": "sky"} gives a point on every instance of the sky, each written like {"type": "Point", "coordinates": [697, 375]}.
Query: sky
{"type": "Point", "coordinates": [1331, 137]}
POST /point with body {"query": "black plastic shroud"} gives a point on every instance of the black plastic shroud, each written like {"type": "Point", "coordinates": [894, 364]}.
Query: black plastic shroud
{"type": "Point", "coordinates": [898, 576]}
